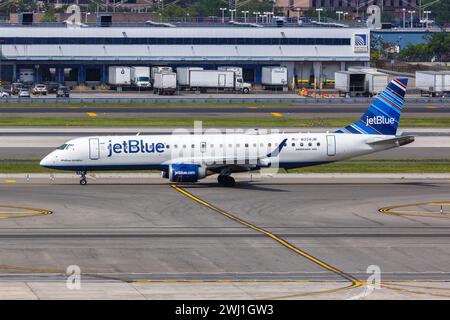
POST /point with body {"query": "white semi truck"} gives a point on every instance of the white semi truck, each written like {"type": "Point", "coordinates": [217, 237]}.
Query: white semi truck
{"type": "Point", "coordinates": [433, 83]}
{"type": "Point", "coordinates": [202, 80]}
{"type": "Point", "coordinates": [140, 77]}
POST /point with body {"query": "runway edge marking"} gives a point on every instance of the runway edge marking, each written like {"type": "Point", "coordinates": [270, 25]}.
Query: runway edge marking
{"type": "Point", "coordinates": [354, 282]}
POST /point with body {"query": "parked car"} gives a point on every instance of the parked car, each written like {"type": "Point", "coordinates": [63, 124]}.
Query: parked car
{"type": "Point", "coordinates": [24, 93]}
{"type": "Point", "coordinates": [62, 92]}
{"type": "Point", "coordinates": [15, 87]}
{"type": "Point", "coordinates": [39, 89]}
{"type": "Point", "coordinates": [52, 87]}
{"type": "Point", "coordinates": [4, 93]}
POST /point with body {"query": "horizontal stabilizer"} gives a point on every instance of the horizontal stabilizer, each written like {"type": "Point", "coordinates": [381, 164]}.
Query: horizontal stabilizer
{"type": "Point", "coordinates": [398, 141]}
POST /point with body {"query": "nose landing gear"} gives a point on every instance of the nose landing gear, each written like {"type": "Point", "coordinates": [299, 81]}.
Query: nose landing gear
{"type": "Point", "coordinates": [82, 175]}
{"type": "Point", "coordinates": [226, 181]}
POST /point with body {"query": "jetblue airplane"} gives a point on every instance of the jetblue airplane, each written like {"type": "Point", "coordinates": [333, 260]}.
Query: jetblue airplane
{"type": "Point", "coordinates": [191, 157]}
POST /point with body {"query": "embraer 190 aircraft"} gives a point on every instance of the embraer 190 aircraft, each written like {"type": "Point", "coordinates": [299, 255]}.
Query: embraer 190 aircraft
{"type": "Point", "coordinates": [191, 157]}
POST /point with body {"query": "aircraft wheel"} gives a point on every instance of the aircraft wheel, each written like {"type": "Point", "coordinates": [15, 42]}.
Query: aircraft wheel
{"type": "Point", "coordinates": [83, 181]}
{"type": "Point", "coordinates": [226, 181]}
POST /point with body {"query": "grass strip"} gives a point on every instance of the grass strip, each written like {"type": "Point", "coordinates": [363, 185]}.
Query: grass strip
{"type": "Point", "coordinates": [207, 122]}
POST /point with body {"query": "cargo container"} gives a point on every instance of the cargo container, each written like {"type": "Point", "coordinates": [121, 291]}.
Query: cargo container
{"type": "Point", "coordinates": [433, 83]}
{"type": "Point", "coordinates": [350, 83]}
{"type": "Point", "coordinates": [140, 77]}
{"type": "Point", "coordinates": [183, 76]}
{"type": "Point", "coordinates": [165, 83]}
{"type": "Point", "coordinates": [274, 77]}
{"type": "Point", "coordinates": [202, 80]}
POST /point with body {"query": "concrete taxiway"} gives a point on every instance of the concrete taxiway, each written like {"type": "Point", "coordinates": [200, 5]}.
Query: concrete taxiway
{"type": "Point", "coordinates": [272, 238]}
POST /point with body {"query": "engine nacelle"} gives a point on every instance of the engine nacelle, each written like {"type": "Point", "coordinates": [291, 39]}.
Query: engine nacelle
{"type": "Point", "coordinates": [186, 172]}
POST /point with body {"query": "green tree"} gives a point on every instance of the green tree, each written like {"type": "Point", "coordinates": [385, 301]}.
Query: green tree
{"type": "Point", "coordinates": [49, 15]}
{"type": "Point", "coordinates": [440, 11]}
{"type": "Point", "coordinates": [439, 45]}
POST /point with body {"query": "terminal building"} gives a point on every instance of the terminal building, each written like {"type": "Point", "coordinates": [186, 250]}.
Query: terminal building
{"type": "Point", "coordinates": [81, 55]}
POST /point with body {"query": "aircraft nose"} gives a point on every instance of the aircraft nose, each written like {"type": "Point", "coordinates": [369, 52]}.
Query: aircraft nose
{"type": "Point", "coordinates": [46, 161]}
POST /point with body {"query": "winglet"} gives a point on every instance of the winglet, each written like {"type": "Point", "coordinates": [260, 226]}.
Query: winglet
{"type": "Point", "coordinates": [278, 149]}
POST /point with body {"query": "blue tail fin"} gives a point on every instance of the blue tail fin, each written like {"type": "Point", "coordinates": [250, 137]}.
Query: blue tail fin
{"type": "Point", "coordinates": [383, 115]}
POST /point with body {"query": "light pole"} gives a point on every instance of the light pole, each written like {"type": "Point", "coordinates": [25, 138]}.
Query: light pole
{"type": "Point", "coordinates": [339, 14]}
{"type": "Point", "coordinates": [319, 10]}
{"type": "Point", "coordinates": [245, 15]}
{"type": "Point", "coordinates": [232, 11]}
{"type": "Point", "coordinates": [426, 21]}
{"type": "Point", "coordinates": [187, 16]}
{"type": "Point", "coordinates": [404, 18]}
{"type": "Point", "coordinates": [411, 12]}
{"type": "Point", "coordinates": [223, 14]}
{"type": "Point", "coordinates": [345, 13]}
{"type": "Point", "coordinates": [256, 16]}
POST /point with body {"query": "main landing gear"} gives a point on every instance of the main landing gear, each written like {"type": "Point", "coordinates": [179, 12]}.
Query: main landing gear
{"type": "Point", "coordinates": [82, 175]}
{"type": "Point", "coordinates": [226, 181]}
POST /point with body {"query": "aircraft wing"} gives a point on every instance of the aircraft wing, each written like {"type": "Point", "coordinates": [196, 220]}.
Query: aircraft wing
{"type": "Point", "coordinates": [396, 141]}
{"type": "Point", "coordinates": [233, 160]}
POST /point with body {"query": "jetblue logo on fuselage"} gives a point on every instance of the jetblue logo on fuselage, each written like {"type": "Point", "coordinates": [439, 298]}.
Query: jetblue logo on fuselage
{"type": "Point", "coordinates": [379, 120]}
{"type": "Point", "coordinates": [135, 146]}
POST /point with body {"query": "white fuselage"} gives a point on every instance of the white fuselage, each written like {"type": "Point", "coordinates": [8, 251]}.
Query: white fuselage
{"type": "Point", "coordinates": [245, 151]}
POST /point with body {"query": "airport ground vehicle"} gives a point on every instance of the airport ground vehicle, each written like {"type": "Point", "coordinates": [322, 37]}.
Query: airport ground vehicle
{"type": "Point", "coordinates": [433, 83]}
{"type": "Point", "coordinates": [62, 92]}
{"type": "Point", "coordinates": [187, 158]}
{"type": "Point", "coordinates": [140, 77]}
{"type": "Point", "coordinates": [39, 89]}
{"type": "Point", "coordinates": [165, 83]}
{"type": "Point", "coordinates": [274, 78]}
{"type": "Point", "coordinates": [24, 93]}
{"type": "Point", "coordinates": [202, 80]}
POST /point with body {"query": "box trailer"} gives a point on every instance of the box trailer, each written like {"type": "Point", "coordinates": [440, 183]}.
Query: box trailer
{"type": "Point", "coordinates": [350, 83]}
{"type": "Point", "coordinates": [165, 83]}
{"type": "Point", "coordinates": [202, 80]}
{"type": "Point", "coordinates": [433, 83]}
{"type": "Point", "coordinates": [183, 76]}
{"type": "Point", "coordinates": [274, 77]}
{"type": "Point", "coordinates": [119, 77]}
{"type": "Point", "coordinates": [140, 77]}
{"type": "Point", "coordinates": [375, 82]}
{"type": "Point", "coordinates": [157, 69]}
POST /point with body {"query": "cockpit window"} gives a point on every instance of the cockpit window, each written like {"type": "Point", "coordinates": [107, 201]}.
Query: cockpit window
{"type": "Point", "coordinates": [64, 146]}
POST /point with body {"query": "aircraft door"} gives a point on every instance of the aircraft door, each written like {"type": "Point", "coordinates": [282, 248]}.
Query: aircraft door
{"type": "Point", "coordinates": [331, 145]}
{"type": "Point", "coordinates": [94, 149]}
